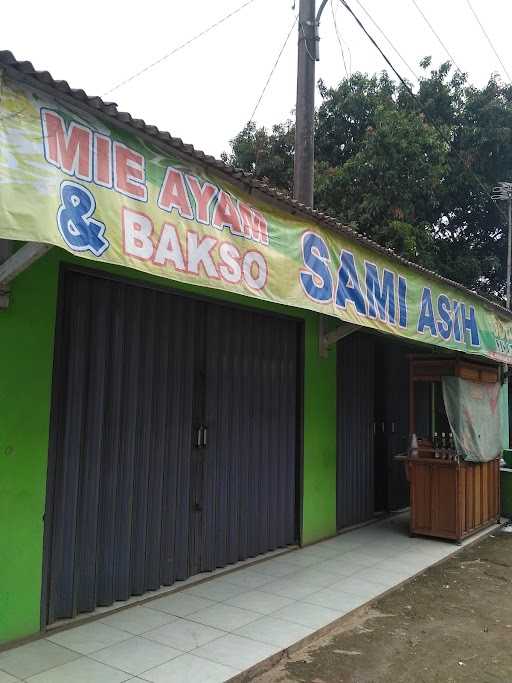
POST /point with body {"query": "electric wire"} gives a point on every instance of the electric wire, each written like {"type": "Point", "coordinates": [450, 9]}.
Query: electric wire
{"type": "Point", "coordinates": [178, 48]}
{"type": "Point", "coordinates": [491, 44]}
{"type": "Point", "coordinates": [440, 41]}
{"type": "Point", "coordinates": [339, 38]}
{"type": "Point", "coordinates": [301, 28]}
{"type": "Point", "coordinates": [392, 46]}
{"type": "Point", "coordinates": [445, 138]}
{"type": "Point", "coordinates": [272, 70]}
{"type": "Point", "coordinates": [376, 45]}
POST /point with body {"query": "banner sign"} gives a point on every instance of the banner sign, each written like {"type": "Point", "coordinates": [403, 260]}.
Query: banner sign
{"type": "Point", "coordinates": [105, 194]}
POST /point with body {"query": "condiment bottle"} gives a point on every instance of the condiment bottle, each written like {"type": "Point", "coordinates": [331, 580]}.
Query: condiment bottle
{"type": "Point", "coordinates": [413, 446]}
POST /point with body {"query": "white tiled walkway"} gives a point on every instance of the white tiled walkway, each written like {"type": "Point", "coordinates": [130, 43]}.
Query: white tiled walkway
{"type": "Point", "coordinates": [212, 631]}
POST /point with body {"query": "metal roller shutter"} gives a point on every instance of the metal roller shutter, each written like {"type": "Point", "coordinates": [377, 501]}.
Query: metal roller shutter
{"type": "Point", "coordinates": [355, 425]}
{"type": "Point", "coordinates": [251, 418]}
{"type": "Point", "coordinates": [134, 501]}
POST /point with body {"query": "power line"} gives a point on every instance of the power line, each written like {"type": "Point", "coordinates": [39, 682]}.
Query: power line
{"type": "Point", "coordinates": [178, 48]}
{"type": "Point", "coordinates": [395, 50]}
{"type": "Point", "coordinates": [445, 138]}
{"type": "Point", "coordinates": [339, 38]}
{"type": "Point", "coordinates": [488, 40]}
{"type": "Point", "coordinates": [272, 70]}
{"type": "Point", "coordinates": [440, 41]}
{"type": "Point", "coordinates": [301, 28]}
{"type": "Point", "coordinates": [376, 45]}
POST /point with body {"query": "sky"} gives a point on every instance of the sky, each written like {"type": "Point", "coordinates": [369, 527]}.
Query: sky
{"type": "Point", "coordinates": [206, 92]}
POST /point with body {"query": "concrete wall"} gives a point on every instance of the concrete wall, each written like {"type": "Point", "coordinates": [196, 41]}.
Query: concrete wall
{"type": "Point", "coordinates": [26, 352]}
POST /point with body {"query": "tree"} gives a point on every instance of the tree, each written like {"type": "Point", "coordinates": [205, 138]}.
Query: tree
{"type": "Point", "coordinates": [413, 173]}
{"type": "Point", "coordinates": [268, 156]}
{"type": "Point", "coordinates": [471, 240]}
{"type": "Point", "coordinates": [387, 188]}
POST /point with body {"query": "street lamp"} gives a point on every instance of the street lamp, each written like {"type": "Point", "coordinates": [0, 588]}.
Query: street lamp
{"type": "Point", "coordinates": [503, 192]}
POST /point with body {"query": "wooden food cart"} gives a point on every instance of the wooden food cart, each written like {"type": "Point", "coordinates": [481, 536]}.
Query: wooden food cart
{"type": "Point", "coordinates": [450, 498]}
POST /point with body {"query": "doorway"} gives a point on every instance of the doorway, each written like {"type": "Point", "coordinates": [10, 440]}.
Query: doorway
{"type": "Point", "coordinates": [373, 426]}
{"type": "Point", "coordinates": [174, 440]}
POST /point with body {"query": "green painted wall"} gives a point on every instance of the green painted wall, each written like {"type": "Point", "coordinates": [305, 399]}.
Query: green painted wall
{"type": "Point", "coordinates": [319, 501]}
{"type": "Point", "coordinates": [26, 349]}
{"type": "Point", "coordinates": [504, 408]}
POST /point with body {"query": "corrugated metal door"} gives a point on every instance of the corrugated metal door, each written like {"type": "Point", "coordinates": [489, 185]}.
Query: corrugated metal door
{"type": "Point", "coordinates": [355, 425]}
{"type": "Point", "coordinates": [397, 422]}
{"type": "Point", "coordinates": [121, 442]}
{"type": "Point", "coordinates": [247, 504]}
{"type": "Point", "coordinates": [173, 441]}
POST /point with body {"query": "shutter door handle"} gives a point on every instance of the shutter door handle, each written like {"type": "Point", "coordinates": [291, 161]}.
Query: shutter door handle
{"type": "Point", "coordinates": [198, 437]}
{"type": "Point", "coordinates": [205, 436]}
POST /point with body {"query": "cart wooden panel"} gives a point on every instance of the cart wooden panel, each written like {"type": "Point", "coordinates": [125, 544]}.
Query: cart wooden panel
{"type": "Point", "coordinates": [453, 500]}
{"type": "Point", "coordinates": [450, 499]}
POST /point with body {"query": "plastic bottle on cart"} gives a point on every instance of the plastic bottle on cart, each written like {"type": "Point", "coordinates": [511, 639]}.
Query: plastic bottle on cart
{"type": "Point", "coordinates": [455, 455]}
{"type": "Point", "coordinates": [443, 446]}
{"type": "Point", "coordinates": [435, 441]}
{"type": "Point", "coordinates": [413, 446]}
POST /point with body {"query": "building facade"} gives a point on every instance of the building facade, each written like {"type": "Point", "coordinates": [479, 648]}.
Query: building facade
{"type": "Point", "coordinates": [196, 370]}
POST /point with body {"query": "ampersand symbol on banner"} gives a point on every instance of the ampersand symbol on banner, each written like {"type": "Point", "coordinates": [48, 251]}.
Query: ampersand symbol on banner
{"type": "Point", "coordinates": [80, 231]}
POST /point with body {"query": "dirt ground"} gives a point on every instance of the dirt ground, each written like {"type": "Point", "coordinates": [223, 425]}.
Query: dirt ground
{"type": "Point", "coordinates": [452, 623]}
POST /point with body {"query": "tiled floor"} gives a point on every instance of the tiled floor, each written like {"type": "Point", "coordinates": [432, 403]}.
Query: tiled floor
{"type": "Point", "coordinates": [210, 632]}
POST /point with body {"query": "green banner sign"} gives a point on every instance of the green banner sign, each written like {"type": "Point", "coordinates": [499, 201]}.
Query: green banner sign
{"type": "Point", "coordinates": [74, 181]}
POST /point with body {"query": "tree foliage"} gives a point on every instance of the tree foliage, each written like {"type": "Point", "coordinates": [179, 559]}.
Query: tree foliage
{"type": "Point", "coordinates": [414, 174]}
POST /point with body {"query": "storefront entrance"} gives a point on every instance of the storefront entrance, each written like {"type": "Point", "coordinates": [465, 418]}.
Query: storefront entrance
{"type": "Point", "coordinates": [174, 440]}
{"type": "Point", "coordinates": [373, 426]}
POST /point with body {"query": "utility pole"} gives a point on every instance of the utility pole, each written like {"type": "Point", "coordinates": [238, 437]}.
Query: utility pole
{"type": "Point", "coordinates": [305, 106]}
{"type": "Point", "coordinates": [308, 54]}
{"type": "Point", "coordinates": [503, 192]}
